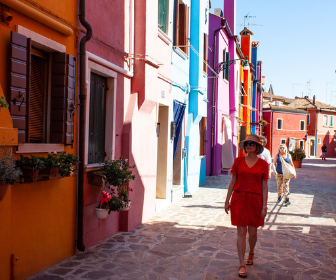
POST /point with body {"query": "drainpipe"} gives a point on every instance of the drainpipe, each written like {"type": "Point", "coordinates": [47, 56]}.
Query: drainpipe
{"type": "Point", "coordinates": [316, 127]}
{"type": "Point", "coordinates": [271, 134]}
{"type": "Point", "coordinates": [81, 146]}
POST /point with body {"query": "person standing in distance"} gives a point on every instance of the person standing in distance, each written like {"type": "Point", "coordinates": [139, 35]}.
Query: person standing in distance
{"type": "Point", "coordinates": [248, 204]}
{"type": "Point", "coordinates": [324, 151]}
{"type": "Point", "coordinates": [266, 155]}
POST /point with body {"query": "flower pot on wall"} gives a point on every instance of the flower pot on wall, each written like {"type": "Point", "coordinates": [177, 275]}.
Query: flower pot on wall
{"type": "Point", "coordinates": [297, 164]}
{"type": "Point", "coordinates": [47, 173]}
{"type": "Point", "coordinates": [101, 213]}
{"type": "Point", "coordinates": [96, 179]}
{"type": "Point", "coordinates": [3, 189]}
{"type": "Point", "coordinates": [30, 175]}
{"type": "Point", "coordinates": [126, 206]}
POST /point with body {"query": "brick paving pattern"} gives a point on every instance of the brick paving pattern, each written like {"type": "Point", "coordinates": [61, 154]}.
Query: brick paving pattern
{"type": "Point", "coordinates": [193, 239]}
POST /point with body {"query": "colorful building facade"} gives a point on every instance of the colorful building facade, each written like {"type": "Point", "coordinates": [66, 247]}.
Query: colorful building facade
{"type": "Point", "coordinates": [38, 49]}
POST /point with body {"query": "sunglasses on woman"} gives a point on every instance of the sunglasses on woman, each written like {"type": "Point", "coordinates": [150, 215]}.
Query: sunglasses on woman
{"type": "Point", "coordinates": [249, 144]}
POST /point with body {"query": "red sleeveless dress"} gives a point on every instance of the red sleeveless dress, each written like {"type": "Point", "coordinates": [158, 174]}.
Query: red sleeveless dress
{"type": "Point", "coordinates": [246, 200]}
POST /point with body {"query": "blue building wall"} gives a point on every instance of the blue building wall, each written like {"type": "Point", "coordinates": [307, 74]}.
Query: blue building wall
{"type": "Point", "coordinates": [199, 18]}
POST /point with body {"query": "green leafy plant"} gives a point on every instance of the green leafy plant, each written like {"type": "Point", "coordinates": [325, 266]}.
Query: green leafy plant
{"type": "Point", "coordinates": [104, 200]}
{"type": "Point", "coordinates": [9, 173]}
{"type": "Point", "coordinates": [67, 161]}
{"type": "Point", "coordinates": [118, 172]}
{"type": "Point", "coordinates": [51, 161]}
{"type": "Point", "coordinates": [3, 103]}
{"type": "Point", "coordinates": [31, 162]}
{"type": "Point", "coordinates": [297, 154]}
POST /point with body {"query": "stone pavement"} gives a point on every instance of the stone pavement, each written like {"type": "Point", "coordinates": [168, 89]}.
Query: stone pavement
{"type": "Point", "coordinates": [193, 239]}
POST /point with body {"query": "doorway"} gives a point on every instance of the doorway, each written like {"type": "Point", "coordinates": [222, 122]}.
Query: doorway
{"type": "Point", "coordinates": [162, 153]}
{"type": "Point", "coordinates": [312, 148]}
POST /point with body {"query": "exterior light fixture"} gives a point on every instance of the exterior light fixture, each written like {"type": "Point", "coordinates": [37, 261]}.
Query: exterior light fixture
{"type": "Point", "coordinates": [225, 64]}
{"type": "Point", "coordinates": [247, 65]}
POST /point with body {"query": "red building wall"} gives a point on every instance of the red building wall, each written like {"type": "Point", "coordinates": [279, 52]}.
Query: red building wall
{"type": "Point", "coordinates": [290, 128]}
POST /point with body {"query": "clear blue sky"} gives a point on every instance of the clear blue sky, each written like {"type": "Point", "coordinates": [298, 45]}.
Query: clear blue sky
{"type": "Point", "coordinates": [297, 44]}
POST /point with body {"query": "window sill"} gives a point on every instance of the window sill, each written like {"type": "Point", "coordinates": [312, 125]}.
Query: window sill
{"type": "Point", "coordinates": [163, 36]}
{"type": "Point", "coordinates": [181, 53]}
{"type": "Point", "coordinates": [92, 167]}
{"type": "Point", "coordinates": [28, 148]}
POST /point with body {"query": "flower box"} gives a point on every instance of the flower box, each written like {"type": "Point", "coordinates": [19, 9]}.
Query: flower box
{"type": "Point", "coordinates": [96, 179]}
{"type": "Point", "coordinates": [30, 175]}
{"type": "Point", "coordinates": [48, 173]}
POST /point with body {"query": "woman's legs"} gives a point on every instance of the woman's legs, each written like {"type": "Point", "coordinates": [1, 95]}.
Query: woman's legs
{"type": "Point", "coordinates": [279, 180]}
{"type": "Point", "coordinates": [241, 243]}
{"type": "Point", "coordinates": [252, 238]}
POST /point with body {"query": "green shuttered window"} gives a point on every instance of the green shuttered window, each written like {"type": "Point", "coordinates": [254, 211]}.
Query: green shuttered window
{"type": "Point", "coordinates": [163, 15]}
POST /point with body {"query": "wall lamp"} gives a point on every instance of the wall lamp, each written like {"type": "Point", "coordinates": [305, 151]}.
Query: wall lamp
{"type": "Point", "coordinates": [225, 64]}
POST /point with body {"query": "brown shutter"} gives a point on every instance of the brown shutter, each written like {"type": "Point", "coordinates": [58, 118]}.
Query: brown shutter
{"type": "Point", "coordinates": [62, 98]}
{"type": "Point", "coordinates": [205, 53]}
{"type": "Point", "coordinates": [181, 27]}
{"type": "Point", "coordinates": [186, 29]}
{"type": "Point", "coordinates": [20, 53]}
{"type": "Point", "coordinates": [177, 24]}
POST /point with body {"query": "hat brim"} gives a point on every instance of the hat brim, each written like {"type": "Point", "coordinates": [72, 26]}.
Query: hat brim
{"type": "Point", "coordinates": [261, 147]}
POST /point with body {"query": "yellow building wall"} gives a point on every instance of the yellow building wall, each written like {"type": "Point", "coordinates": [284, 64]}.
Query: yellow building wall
{"type": "Point", "coordinates": [37, 220]}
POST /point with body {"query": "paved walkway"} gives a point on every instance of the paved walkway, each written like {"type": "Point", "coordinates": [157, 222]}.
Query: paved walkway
{"type": "Point", "coordinates": [193, 239]}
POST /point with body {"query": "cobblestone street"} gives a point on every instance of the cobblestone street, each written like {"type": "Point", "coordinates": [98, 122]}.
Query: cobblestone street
{"type": "Point", "coordinates": [193, 239]}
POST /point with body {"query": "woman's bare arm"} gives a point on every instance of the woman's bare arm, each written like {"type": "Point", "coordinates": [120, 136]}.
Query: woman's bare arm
{"type": "Point", "coordinates": [229, 193]}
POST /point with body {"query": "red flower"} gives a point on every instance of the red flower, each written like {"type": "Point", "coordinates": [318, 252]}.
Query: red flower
{"type": "Point", "coordinates": [105, 198]}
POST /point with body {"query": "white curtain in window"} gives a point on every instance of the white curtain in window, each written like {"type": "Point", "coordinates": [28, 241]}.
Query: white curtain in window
{"type": "Point", "coordinates": [227, 150]}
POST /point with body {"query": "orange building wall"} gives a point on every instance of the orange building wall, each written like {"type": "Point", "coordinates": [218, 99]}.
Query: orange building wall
{"type": "Point", "coordinates": [38, 220]}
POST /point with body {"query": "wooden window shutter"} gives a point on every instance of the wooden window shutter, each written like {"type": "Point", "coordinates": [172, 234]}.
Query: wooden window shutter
{"type": "Point", "coordinates": [181, 28]}
{"type": "Point", "coordinates": [20, 54]}
{"type": "Point", "coordinates": [205, 53]}
{"type": "Point", "coordinates": [177, 23]}
{"type": "Point", "coordinates": [186, 29]}
{"type": "Point", "coordinates": [227, 72]}
{"type": "Point", "coordinates": [37, 98]}
{"type": "Point", "coordinates": [162, 15]}
{"type": "Point", "coordinates": [62, 98]}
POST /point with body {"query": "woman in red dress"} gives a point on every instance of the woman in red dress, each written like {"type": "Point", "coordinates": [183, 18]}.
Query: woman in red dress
{"type": "Point", "coordinates": [249, 190]}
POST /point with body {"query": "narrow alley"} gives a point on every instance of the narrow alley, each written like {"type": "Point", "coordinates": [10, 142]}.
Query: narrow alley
{"type": "Point", "coordinates": [193, 239]}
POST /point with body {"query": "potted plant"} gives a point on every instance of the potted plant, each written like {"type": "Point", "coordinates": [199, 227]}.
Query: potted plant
{"type": "Point", "coordinates": [96, 178]}
{"type": "Point", "coordinates": [9, 174]}
{"type": "Point", "coordinates": [67, 161]}
{"type": "Point", "coordinates": [123, 194]}
{"type": "Point", "coordinates": [51, 165]}
{"type": "Point", "coordinates": [118, 172]}
{"type": "Point", "coordinates": [30, 167]}
{"type": "Point", "coordinates": [3, 103]}
{"type": "Point", "coordinates": [297, 156]}
{"type": "Point", "coordinates": [103, 207]}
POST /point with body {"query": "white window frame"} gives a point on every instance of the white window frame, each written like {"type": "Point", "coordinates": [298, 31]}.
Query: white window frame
{"type": "Point", "coordinates": [278, 124]}
{"type": "Point", "coordinates": [303, 125]}
{"type": "Point", "coordinates": [283, 141]}
{"type": "Point", "coordinates": [331, 118]}
{"type": "Point", "coordinates": [303, 145]}
{"type": "Point", "coordinates": [325, 117]}
{"type": "Point", "coordinates": [319, 140]}
{"type": "Point", "coordinates": [95, 65]}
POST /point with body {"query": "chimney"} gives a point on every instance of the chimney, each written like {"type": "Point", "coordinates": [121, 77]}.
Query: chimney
{"type": "Point", "coordinates": [314, 99]}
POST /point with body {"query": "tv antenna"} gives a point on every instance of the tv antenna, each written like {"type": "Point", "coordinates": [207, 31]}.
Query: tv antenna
{"type": "Point", "coordinates": [246, 19]}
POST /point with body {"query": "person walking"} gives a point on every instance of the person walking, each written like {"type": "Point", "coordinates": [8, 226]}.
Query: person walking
{"type": "Point", "coordinates": [266, 155]}
{"type": "Point", "coordinates": [247, 197]}
{"type": "Point", "coordinates": [282, 183]}
{"type": "Point", "coordinates": [324, 151]}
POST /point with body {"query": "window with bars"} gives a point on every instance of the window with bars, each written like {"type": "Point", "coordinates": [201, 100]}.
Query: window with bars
{"type": "Point", "coordinates": [42, 93]}
{"type": "Point", "coordinates": [181, 36]}
{"type": "Point", "coordinates": [97, 119]}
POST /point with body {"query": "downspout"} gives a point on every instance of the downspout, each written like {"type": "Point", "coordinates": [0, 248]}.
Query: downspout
{"type": "Point", "coordinates": [81, 144]}
{"type": "Point", "coordinates": [213, 104]}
